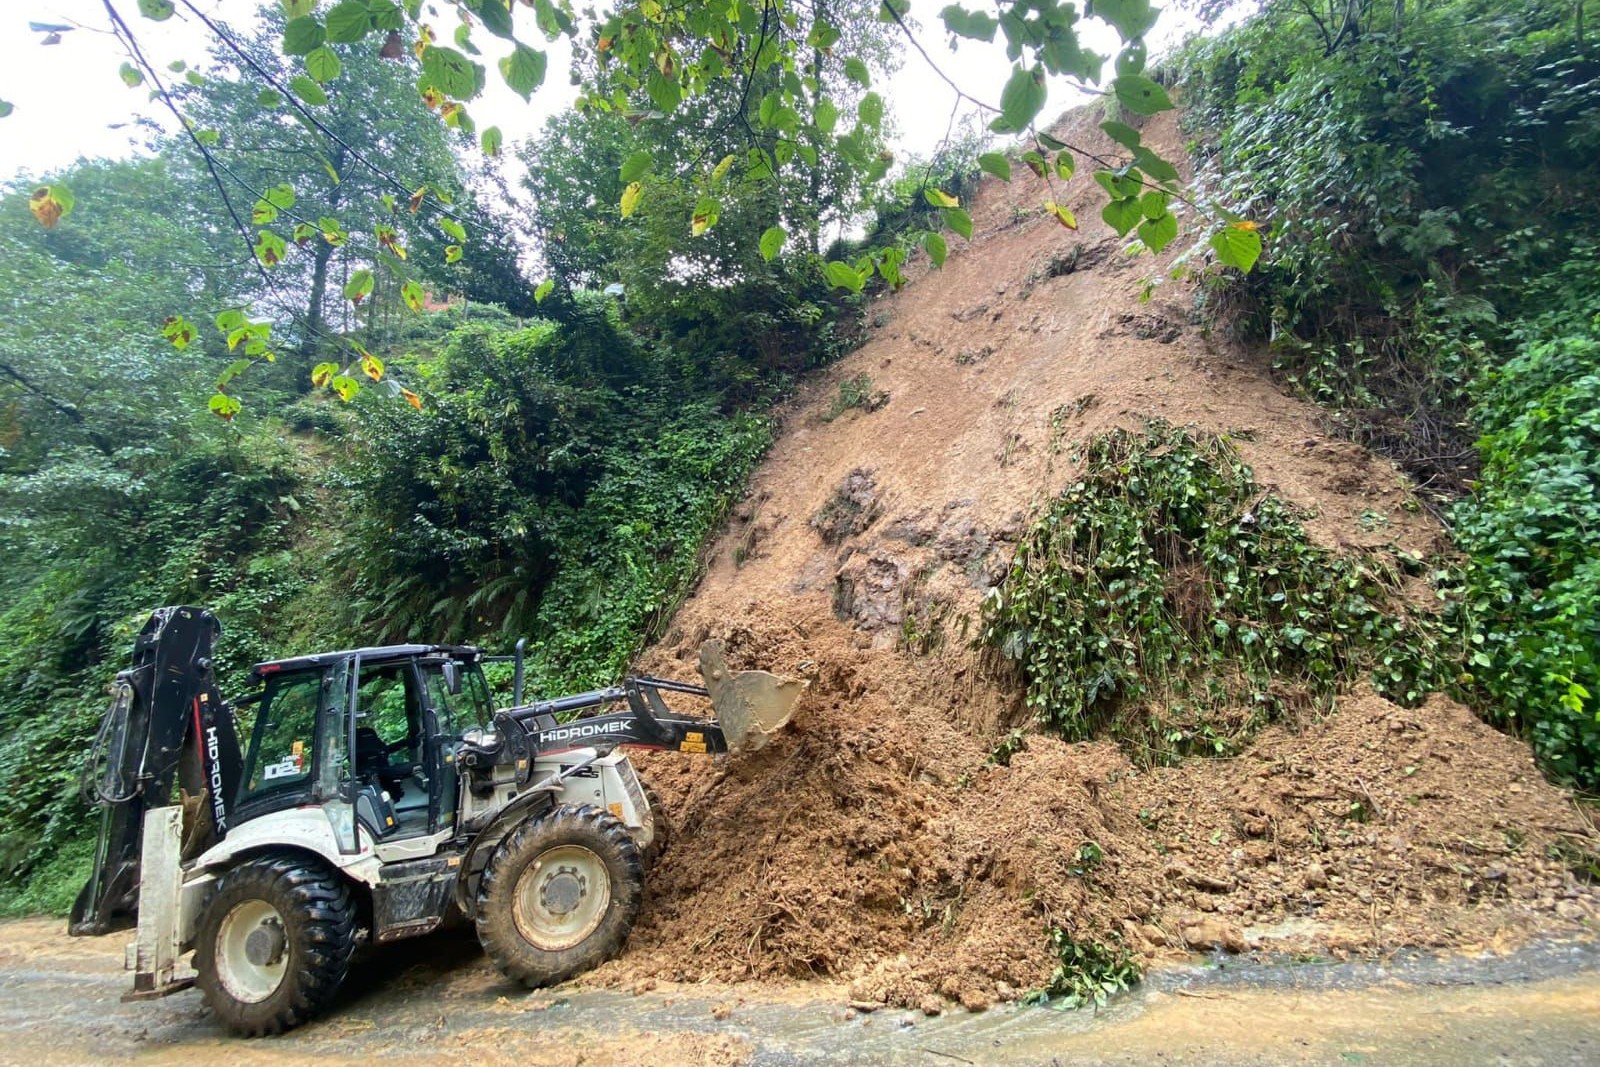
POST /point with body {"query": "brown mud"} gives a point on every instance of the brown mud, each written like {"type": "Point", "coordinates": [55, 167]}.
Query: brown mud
{"type": "Point", "coordinates": [872, 844]}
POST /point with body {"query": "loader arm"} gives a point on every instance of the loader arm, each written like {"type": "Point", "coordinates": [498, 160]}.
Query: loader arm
{"type": "Point", "coordinates": [166, 721]}
{"type": "Point", "coordinates": [748, 706]}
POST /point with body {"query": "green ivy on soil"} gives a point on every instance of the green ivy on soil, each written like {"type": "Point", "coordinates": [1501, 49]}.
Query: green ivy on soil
{"type": "Point", "coordinates": [1168, 600]}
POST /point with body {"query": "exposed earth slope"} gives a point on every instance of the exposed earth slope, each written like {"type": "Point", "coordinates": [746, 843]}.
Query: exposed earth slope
{"type": "Point", "coordinates": [872, 843]}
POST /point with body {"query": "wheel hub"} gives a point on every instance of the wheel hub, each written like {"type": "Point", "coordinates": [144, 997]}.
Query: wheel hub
{"type": "Point", "coordinates": [563, 890]}
{"type": "Point", "coordinates": [252, 951]}
{"type": "Point", "coordinates": [264, 945]}
{"type": "Point", "coordinates": [561, 897]}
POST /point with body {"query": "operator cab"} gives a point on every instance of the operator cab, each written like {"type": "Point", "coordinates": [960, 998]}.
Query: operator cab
{"type": "Point", "coordinates": [374, 727]}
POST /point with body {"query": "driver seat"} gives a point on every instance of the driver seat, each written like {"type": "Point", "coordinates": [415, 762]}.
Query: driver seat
{"type": "Point", "coordinates": [372, 761]}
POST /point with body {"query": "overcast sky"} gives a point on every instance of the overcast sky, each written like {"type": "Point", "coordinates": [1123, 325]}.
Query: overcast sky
{"type": "Point", "coordinates": [70, 101]}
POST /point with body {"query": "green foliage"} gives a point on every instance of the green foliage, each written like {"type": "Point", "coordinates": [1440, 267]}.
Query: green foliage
{"type": "Point", "coordinates": [1432, 273]}
{"type": "Point", "coordinates": [856, 394]}
{"type": "Point", "coordinates": [1531, 594]}
{"type": "Point", "coordinates": [558, 481]}
{"type": "Point", "coordinates": [785, 78]}
{"type": "Point", "coordinates": [108, 538]}
{"type": "Point", "coordinates": [1418, 174]}
{"type": "Point", "coordinates": [1087, 972]}
{"type": "Point", "coordinates": [1167, 599]}
{"type": "Point", "coordinates": [556, 478]}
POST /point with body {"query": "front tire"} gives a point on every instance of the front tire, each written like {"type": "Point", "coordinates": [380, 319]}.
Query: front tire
{"type": "Point", "coordinates": [661, 825]}
{"type": "Point", "coordinates": [560, 895]}
{"type": "Point", "coordinates": [274, 944]}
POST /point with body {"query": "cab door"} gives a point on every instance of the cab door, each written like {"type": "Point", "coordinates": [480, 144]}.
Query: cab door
{"type": "Point", "coordinates": [451, 710]}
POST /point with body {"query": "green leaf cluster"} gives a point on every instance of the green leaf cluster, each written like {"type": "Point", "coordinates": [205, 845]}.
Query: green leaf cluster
{"type": "Point", "coordinates": [1169, 601]}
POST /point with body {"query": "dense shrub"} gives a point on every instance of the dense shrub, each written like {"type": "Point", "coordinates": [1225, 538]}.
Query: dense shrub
{"type": "Point", "coordinates": [1532, 590]}
{"type": "Point", "coordinates": [1414, 178]}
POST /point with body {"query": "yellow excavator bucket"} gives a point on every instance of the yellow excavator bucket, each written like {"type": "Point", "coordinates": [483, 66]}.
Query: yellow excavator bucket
{"type": "Point", "coordinates": [750, 705]}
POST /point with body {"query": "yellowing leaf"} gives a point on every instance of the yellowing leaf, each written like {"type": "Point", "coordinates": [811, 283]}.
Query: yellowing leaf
{"type": "Point", "coordinates": [414, 296]}
{"type": "Point", "coordinates": [940, 198]}
{"type": "Point", "coordinates": [452, 253]}
{"type": "Point", "coordinates": [412, 398]}
{"type": "Point", "coordinates": [706, 212]}
{"type": "Point", "coordinates": [179, 330]}
{"type": "Point", "coordinates": [371, 366]}
{"type": "Point", "coordinates": [722, 168]}
{"type": "Point", "coordinates": [270, 248]}
{"type": "Point", "coordinates": [630, 198]}
{"type": "Point", "coordinates": [323, 373]}
{"type": "Point", "coordinates": [1062, 214]}
{"type": "Point", "coordinates": [50, 204]}
{"type": "Point", "coordinates": [389, 240]}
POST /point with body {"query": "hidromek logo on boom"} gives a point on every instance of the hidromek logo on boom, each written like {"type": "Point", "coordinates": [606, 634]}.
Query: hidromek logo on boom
{"type": "Point", "coordinates": [219, 812]}
{"type": "Point", "coordinates": [577, 730]}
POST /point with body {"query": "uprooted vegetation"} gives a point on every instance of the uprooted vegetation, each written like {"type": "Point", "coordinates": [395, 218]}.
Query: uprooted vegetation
{"type": "Point", "coordinates": [1168, 600]}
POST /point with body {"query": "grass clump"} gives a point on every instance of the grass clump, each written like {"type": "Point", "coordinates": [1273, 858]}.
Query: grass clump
{"type": "Point", "coordinates": [1168, 600]}
{"type": "Point", "coordinates": [856, 393]}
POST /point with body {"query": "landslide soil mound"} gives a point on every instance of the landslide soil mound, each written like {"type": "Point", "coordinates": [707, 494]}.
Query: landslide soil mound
{"type": "Point", "coordinates": [877, 842]}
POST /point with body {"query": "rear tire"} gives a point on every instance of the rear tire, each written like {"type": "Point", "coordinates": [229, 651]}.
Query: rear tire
{"type": "Point", "coordinates": [274, 944]}
{"type": "Point", "coordinates": [560, 895]}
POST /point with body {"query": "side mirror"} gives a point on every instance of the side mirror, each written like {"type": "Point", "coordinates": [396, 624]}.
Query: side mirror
{"type": "Point", "coordinates": [452, 677]}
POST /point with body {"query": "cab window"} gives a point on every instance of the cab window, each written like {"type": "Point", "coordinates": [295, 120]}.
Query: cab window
{"type": "Point", "coordinates": [461, 711]}
{"type": "Point", "coordinates": [281, 754]}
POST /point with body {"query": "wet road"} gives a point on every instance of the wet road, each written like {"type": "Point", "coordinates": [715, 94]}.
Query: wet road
{"type": "Point", "coordinates": [435, 1001]}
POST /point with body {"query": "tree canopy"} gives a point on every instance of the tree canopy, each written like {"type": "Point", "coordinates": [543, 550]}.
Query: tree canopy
{"type": "Point", "coordinates": [746, 125]}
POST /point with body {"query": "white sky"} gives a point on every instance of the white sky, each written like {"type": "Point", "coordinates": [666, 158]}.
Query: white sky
{"type": "Point", "coordinates": [70, 101]}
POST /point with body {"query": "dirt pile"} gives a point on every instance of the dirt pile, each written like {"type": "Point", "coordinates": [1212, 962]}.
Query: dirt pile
{"type": "Point", "coordinates": [896, 837]}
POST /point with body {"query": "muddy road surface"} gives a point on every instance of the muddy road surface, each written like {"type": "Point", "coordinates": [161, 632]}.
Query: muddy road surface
{"type": "Point", "coordinates": [436, 1001]}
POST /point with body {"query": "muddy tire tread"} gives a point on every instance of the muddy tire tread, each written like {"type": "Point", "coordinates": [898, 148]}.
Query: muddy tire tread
{"type": "Point", "coordinates": [320, 915]}
{"type": "Point", "coordinates": [587, 825]}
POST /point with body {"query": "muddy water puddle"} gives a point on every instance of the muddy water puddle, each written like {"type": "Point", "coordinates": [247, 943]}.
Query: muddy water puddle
{"type": "Point", "coordinates": [438, 1002]}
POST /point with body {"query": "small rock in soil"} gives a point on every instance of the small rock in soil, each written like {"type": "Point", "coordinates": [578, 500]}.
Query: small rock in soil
{"type": "Point", "coordinates": [1214, 933]}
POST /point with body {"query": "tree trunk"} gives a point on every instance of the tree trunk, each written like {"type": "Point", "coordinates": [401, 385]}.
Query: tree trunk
{"type": "Point", "coordinates": [316, 321]}
{"type": "Point", "coordinates": [313, 345]}
{"type": "Point", "coordinates": [814, 209]}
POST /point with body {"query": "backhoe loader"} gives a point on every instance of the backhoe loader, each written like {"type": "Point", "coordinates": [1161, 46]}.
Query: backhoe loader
{"type": "Point", "coordinates": [373, 794]}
